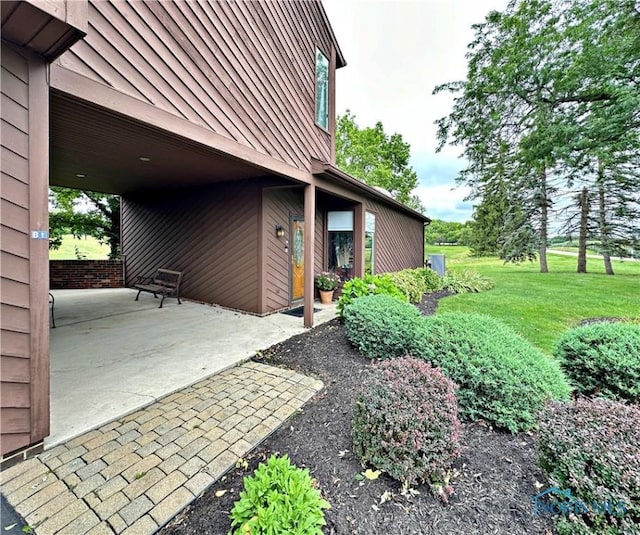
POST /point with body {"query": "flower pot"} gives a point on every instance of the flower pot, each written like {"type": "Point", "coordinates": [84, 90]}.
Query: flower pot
{"type": "Point", "coordinates": [326, 296]}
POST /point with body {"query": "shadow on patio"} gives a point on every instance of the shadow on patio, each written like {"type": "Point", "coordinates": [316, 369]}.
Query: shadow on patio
{"type": "Point", "coordinates": [111, 355]}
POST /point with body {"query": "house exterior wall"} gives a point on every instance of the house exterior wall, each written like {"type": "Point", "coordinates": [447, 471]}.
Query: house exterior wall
{"type": "Point", "coordinates": [24, 344]}
{"type": "Point", "coordinates": [278, 206]}
{"type": "Point", "coordinates": [399, 239]}
{"type": "Point", "coordinates": [245, 70]}
{"type": "Point", "coordinates": [211, 234]}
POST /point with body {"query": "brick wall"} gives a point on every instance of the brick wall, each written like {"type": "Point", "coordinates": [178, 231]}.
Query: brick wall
{"type": "Point", "coordinates": [84, 274]}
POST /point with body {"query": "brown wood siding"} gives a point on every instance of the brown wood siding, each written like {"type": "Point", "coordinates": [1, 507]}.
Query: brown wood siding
{"type": "Point", "coordinates": [399, 239]}
{"type": "Point", "coordinates": [210, 234]}
{"type": "Point", "coordinates": [14, 245]}
{"type": "Point", "coordinates": [278, 206]}
{"type": "Point", "coordinates": [245, 70]}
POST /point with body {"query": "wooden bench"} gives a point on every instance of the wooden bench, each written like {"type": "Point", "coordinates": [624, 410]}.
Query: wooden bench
{"type": "Point", "coordinates": [165, 283]}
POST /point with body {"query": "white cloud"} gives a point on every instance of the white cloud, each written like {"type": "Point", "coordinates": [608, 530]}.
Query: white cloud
{"type": "Point", "coordinates": [446, 202]}
{"type": "Point", "coordinates": [396, 53]}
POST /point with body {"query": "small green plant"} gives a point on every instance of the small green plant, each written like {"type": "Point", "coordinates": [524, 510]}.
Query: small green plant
{"type": "Point", "coordinates": [369, 285]}
{"type": "Point", "coordinates": [602, 360]}
{"type": "Point", "coordinates": [278, 498]}
{"type": "Point", "coordinates": [501, 377]}
{"type": "Point", "coordinates": [468, 281]}
{"type": "Point", "coordinates": [432, 281]}
{"type": "Point", "coordinates": [411, 283]}
{"type": "Point", "coordinates": [327, 281]}
{"type": "Point", "coordinates": [592, 447]}
{"type": "Point", "coordinates": [406, 423]}
{"type": "Point", "coordinates": [139, 475]}
{"type": "Point", "coordinates": [381, 326]}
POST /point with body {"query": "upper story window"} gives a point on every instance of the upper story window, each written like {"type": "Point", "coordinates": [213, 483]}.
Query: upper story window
{"type": "Point", "coordinates": [322, 90]}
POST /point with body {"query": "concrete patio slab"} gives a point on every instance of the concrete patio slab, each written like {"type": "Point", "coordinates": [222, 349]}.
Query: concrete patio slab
{"type": "Point", "coordinates": [137, 472]}
{"type": "Point", "coordinates": [111, 355]}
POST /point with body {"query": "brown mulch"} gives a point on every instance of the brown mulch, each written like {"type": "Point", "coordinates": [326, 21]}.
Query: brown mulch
{"type": "Point", "coordinates": [494, 480]}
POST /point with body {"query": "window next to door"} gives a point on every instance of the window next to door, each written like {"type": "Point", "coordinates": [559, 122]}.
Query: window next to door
{"type": "Point", "coordinates": [322, 90]}
{"type": "Point", "coordinates": [340, 242]}
{"type": "Point", "coordinates": [369, 243]}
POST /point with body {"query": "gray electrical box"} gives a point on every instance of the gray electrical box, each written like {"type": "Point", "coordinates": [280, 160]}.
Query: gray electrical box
{"type": "Point", "coordinates": [437, 263]}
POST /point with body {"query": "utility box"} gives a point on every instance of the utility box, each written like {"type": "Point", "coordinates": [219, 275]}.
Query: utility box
{"type": "Point", "coordinates": [437, 263]}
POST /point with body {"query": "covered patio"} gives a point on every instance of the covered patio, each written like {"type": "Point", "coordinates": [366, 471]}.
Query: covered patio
{"type": "Point", "coordinates": [111, 355]}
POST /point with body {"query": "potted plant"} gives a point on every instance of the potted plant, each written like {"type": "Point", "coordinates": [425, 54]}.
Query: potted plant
{"type": "Point", "coordinates": [327, 282]}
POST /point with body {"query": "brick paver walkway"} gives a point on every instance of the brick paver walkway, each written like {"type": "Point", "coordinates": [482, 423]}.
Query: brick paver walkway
{"type": "Point", "coordinates": [134, 474]}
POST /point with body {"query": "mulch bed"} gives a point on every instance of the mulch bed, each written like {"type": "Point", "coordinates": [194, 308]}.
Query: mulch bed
{"type": "Point", "coordinates": [494, 479]}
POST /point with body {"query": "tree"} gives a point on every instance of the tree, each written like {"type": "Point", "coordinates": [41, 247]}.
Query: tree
{"type": "Point", "coordinates": [445, 232]}
{"type": "Point", "coordinates": [84, 213]}
{"type": "Point", "coordinates": [376, 158]}
{"type": "Point", "coordinates": [551, 87]}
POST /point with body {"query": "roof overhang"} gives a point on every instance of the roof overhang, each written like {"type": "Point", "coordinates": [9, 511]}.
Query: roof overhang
{"type": "Point", "coordinates": [95, 149]}
{"type": "Point", "coordinates": [331, 172]}
{"type": "Point", "coordinates": [47, 28]}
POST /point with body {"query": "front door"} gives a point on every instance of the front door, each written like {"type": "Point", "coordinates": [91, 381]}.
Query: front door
{"type": "Point", "coordinates": [297, 258]}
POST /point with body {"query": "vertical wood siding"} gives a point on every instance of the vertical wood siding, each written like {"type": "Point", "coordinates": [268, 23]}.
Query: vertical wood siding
{"type": "Point", "coordinates": [15, 254]}
{"type": "Point", "coordinates": [399, 239]}
{"type": "Point", "coordinates": [278, 206]}
{"type": "Point", "coordinates": [245, 70]}
{"type": "Point", "coordinates": [210, 234]}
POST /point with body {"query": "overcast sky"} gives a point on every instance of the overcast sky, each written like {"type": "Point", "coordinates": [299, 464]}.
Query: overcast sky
{"type": "Point", "coordinates": [397, 51]}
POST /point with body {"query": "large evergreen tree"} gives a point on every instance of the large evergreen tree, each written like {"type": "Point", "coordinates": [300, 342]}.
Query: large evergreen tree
{"type": "Point", "coordinates": [552, 89]}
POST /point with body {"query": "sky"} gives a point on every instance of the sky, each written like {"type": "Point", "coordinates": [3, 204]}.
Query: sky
{"type": "Point", "coordinates": [397, 51]}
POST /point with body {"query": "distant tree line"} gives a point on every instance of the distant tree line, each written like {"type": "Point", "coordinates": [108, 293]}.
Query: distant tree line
{"type": "Point", "coordinates": [548, 120]}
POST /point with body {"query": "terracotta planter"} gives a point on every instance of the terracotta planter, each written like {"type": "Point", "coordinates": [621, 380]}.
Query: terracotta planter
{"type": "Point", "coordinates": [326, 296]}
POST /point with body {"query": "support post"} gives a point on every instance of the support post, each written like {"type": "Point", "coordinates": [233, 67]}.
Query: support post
{"type": "Point", "coordinates": [309, 250]}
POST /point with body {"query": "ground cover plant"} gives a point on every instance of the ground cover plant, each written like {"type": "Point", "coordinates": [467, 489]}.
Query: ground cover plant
{"type": "Point", "coordinates": [592, 447]}
{"type": "Point", "coordinates": [381, 326]}
{"type": "Point", "coordinates": [502, 378]}
{"type": "Point", "coordinates": [541, 306]}
{"type": "Point", "coordinates": [279, 498]}
{"type": "Point", "coordinates": [405, 423]}
{"type": "Point", "coordinates": [602, 359]}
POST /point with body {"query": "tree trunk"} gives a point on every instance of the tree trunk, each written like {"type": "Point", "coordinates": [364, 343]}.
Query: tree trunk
{"type": "Point", "coordinates": [604, 231]}
{"type": "Point", "coordinates": [582, 239]}
{"type": "Point", "coordinates": [544, 221]}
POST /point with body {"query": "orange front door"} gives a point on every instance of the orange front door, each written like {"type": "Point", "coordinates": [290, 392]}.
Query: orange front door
{"type": "Point", "coordinates": [297, 258]}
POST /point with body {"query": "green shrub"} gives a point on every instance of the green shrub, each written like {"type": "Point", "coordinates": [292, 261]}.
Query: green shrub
{"type": "Point", "coordinates": [602, 359]}
{"type": "Point", "coordinates": [411, 283]}
{"type": "Point", "coordinates": [464, 282]}
{"type": "Point", "coordinates": [370, 285]}
{"type": "Point", "coordinates": [406, 423]}
{"type": "Point", "coordinates": [278, 498]}
{"type": "Point", "coordinates": [432, 281]}
{"type": "Point", "coordinates": [501, 377]}
{"type": "Point", "coordinates": [381, 326]}
{"type": "Point", "coordinates": [592, 447]}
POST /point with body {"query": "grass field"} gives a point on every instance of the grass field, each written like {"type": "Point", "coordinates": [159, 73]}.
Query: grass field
{"type": "Point", "coordinates": [88, 248]}
{"type": "Point", "coordinates": [543, 305]}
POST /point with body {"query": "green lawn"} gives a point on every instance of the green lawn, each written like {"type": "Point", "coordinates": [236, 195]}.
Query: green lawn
{"type": "Point", "coordinates": [543, 305]}
{"type": "Point", "coordinates": [88, 248]}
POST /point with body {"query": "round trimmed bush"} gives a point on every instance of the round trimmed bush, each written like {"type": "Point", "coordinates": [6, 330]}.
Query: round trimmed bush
{"type": "Point", "coordinates": [501, 377]}
{"type": "Point", "coordinates": [381, 326]}
{"type": "Point", "coordinates": [432, 281]}
{"type": "Point", "coordinates": [279, 498]}
{"type": "Point", "coordinates": [602, 359]}
{"type": "Point", "coordinates": [592, 446]}
{"type": "Point", "coordinates": [406, 422]}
